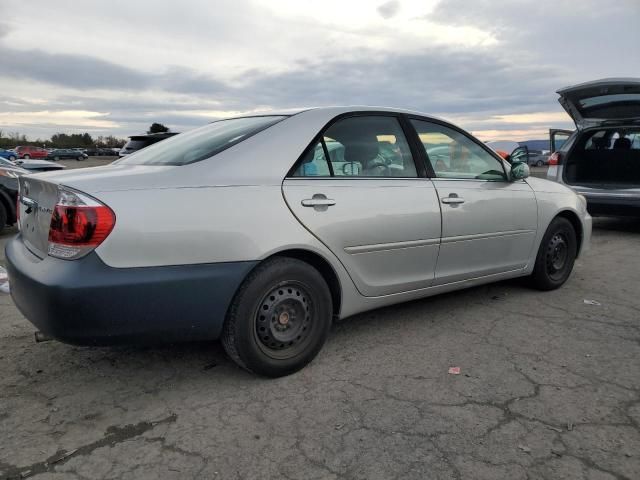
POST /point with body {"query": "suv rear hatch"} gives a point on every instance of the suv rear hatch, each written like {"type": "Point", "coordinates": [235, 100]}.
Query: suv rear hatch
{"type": "Point", "coordinates": [615, 100]}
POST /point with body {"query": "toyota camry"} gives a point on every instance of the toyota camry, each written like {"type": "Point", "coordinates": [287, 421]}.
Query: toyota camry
{"type": "Point", "coordinates": [262, 230]}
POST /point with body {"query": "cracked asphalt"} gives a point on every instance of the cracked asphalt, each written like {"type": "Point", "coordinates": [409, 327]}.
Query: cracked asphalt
{"type": "Point", "coordinates": [549, 389]}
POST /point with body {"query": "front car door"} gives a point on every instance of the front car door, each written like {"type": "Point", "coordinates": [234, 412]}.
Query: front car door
{"type": "Point", "coordinates": [357, 189]}
{"type": "Point", "coordinates": [488, 222]}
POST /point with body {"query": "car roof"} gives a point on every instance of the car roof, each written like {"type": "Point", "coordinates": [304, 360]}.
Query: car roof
{"type": "Point", "coordinates": [333, 110]}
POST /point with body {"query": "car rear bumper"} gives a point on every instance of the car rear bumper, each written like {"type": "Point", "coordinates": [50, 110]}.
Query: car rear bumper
{"type": "Point", "coordinates": [601, 205]}
{"type": "Point", "coordinates": [86, 302]}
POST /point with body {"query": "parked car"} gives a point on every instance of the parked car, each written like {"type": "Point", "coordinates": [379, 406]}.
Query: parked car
{"type": "Point", "coordinates": [31, 165]}
{"type": "Point", "coordinates": [226, 232]}
{"type": "Point", "coordinates": [538, 158]}
{"type": "Point", "coordinates": [66, 153]}
{"type": "Point", "coordinates": [138, 142]}
{"type": "Point", "coordinates": [514, 152]}
{"type": "Point", "coordinates": [28, 152]}
{"type": "Point", "coordinates": [601, 158]}
{"type": "Point", "coordinates": [9, 193]}
{"type": "Point", "coordinates": [8, 154]}
{"type": "Point", "coordinates": [99, 152]}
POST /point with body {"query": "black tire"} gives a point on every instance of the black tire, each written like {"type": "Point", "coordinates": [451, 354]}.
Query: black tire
{"type": "Point", "coordinates": [80, 158]}
{"type": "Point", "coordinates": [3, 217]}
{"type": "Point", "coordinates": [539, 163]}
{"type": "Point", "coordinates": [26, 157]}
{"type": "Point", "coordinates": [57, 159]}
{"type": "Point", "coordinates": [556, 255]}
{"type": "Point", "coordinates": [279, 318]}
{"type": "Point", "coordinates": [13, 158]}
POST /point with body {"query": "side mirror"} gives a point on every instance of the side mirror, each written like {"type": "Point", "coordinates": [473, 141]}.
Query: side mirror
{"type": "Point", "coordinates": [519, 155]}
{"type": "Point", "coordinates": [519, 171]}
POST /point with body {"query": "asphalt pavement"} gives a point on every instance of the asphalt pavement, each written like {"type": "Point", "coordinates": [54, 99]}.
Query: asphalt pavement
{"type": "Point", "coordinates": [549, 388]}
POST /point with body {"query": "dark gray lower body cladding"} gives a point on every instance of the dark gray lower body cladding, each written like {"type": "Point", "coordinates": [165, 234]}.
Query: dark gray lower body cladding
{"type": "Point", "coordinates": [86, 302]}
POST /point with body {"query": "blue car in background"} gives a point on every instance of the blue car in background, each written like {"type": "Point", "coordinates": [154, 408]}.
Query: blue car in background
{"type": "Point", "coordinates": [8, 154]}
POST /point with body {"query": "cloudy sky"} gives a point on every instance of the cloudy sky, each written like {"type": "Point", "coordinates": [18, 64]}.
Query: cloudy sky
{"type": "Point", "coordinates": [492, 66]}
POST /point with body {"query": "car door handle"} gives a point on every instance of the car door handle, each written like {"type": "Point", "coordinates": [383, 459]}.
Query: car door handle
{"type": "Point", "coordinates": [452, 199]}
{"type": "Point", "coordinates": [318, 200]}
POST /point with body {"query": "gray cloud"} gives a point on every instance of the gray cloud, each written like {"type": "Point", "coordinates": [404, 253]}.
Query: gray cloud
{"type": "Point", "coordinates": [541, 45]}
{"type": "Point", "coordinates": [77, 71]}
{"type": "Point", "coordinates": [439, 80]}
{"type": "Point", "coordinates": [389, 9]}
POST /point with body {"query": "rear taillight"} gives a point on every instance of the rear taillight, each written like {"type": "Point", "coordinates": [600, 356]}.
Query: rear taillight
{"type": "Point", "coordinates": [554, 159]}
{"type": "Point", "coordinates": [79, 224]}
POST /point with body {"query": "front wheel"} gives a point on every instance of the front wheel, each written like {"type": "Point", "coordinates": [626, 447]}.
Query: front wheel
{"type": "Point", "coordinates": [279, 318]}
{"type": "Point", "coordinates": [556, 255]}
{"type": "Point", "coordinates": [80, 159]}
{"type": "Point", "coordinates": [539, 163]}
{"type": "Point", "coordinates": [12, 158]}
{"type": "Point", "coordinates": [27, 157]}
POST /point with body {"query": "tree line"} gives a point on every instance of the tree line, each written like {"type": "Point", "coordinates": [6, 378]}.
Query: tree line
{"type": "Point", "coordinates": [61, 140]}
{"type": "Point", "coordinates": [64, 140]}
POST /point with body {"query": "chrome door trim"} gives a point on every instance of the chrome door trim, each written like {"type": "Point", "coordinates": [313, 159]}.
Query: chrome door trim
{"type": "Point", "coordinates": [355, 250]}
{"type": "Point", "coordinates": [476, 236]}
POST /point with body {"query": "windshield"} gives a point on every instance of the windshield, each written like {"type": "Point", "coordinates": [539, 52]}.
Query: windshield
{"type": "Point", "coordinates": [201, 143]}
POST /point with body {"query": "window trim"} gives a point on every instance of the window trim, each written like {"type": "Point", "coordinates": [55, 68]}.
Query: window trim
{"type": "Point", "coordinates": [406, 130]}
{"type": "Point", "coordinates": [467, 135]}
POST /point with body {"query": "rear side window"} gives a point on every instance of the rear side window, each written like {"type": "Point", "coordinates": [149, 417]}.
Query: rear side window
{"type": "Point", "coordinates": [610, 139]}
{"type": "Point", "coordinates": [201, 143]}
{"type": "Point", "coordinates": [361, 146]}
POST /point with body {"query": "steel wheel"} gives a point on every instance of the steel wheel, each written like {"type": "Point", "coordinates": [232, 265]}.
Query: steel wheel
{"type": "Point", "coordinates": [557, 254]}
{"type": "Point", "coordinates": [279, 318]}
{"type": "Point", "coordinates": [283, 320]}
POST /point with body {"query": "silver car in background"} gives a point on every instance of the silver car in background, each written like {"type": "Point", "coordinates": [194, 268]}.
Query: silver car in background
{"type": "Point", "coordinates": [261, 230]}
{"type": "Point", "coordinates": [601, 158]}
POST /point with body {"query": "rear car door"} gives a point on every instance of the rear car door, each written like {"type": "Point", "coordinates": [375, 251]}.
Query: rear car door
{"type": "Point", "coordinates": [557, 138]}
{"type": "Point", "coordinates": [357, 189]}
{"type": "Point", "coordinates": [488, 222]}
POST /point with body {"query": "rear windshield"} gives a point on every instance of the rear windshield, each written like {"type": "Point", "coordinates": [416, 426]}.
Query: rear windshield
{"type": "Point", "coordinates": [136, 144]}
{"type": "Point", "coordinates": [201, 143]}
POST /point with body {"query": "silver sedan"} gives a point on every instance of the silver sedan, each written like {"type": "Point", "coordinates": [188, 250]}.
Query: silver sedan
{"type": "Point", "coordinates": [261, 230]}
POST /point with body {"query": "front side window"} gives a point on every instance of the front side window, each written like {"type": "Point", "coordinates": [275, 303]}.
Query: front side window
{"type": "Point", "coordinates": [361, 146]}
{"type": "Point", "coordinates": [454, 155]}
{"type": "Point", "coordinates": [201, 143]}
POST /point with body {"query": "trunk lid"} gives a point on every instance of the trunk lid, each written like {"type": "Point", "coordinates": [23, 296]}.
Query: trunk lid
{"type": "Point", "coordinates": [599, 101]}
{"type": "Point", "coordinates": [36, 202]}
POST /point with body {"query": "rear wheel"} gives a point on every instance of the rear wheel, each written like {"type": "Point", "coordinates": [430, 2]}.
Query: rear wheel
{"type": "Point", "coordinates": [556, 255]}
{"type": "Point", "coordinates": [279, 319]}
{"type": "Point", "coordinates": [539, 163]}
{"type": "Point", "coordinates": [56, 158]}
{"type": "Point", "coordinates": [12, 158]}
